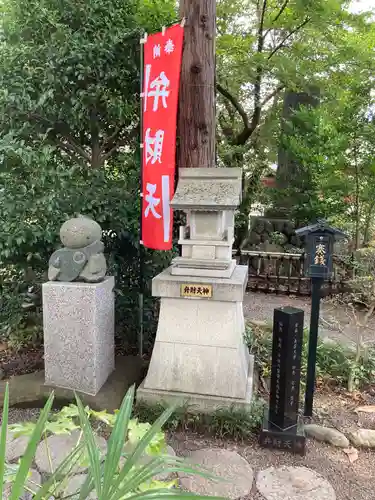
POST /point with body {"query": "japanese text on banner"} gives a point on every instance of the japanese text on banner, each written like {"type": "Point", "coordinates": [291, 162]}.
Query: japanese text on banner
{"type": "Point", "coordinates": [161, 80]}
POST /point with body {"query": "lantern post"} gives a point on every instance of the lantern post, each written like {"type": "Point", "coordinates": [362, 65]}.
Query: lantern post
{"type": "Point", "coordinates": [319, 241]}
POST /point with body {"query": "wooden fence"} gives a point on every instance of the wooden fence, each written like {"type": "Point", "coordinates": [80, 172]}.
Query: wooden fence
{"type": "Point", "coordinates": [286, 273]}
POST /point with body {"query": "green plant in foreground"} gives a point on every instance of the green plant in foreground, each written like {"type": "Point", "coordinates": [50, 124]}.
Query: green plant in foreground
{"type": "Point", "coordinates": [118, 476]}
{"type": "Point", "coordinates": [232, 422]}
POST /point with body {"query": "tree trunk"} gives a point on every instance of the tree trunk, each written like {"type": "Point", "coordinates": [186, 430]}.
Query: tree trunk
{"type": "Point", "coordinates": [196, 122]}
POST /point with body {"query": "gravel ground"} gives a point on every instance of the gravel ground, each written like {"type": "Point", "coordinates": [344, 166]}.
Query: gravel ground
{"type": "Point", "coordinates": [350, 481]}
{"type": "Point", "coordinates": [17, 415]}
{"type": "Point", "coordinates": [335, 321]}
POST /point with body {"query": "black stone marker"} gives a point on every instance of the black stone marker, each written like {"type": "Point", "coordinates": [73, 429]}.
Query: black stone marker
{"type": "Point", "coordinates": [281, 426]}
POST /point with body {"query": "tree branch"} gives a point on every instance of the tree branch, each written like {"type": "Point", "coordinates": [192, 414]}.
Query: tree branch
{"type": "Point", "coordinates": [240, 110]}
{"type": "Point", "coordinates": [95, 146]}
{"type": "Point", "coordinates": [293, 32]}
{"type": "Point", "coordinates": [273, 94]}
{"type": "Point", "coordinates": [120, 143]}
{"type": "Point", "coordinates": [111, 140]}
{"type": "Point", "coordinates": [248, 131]}
{"type": "Point", "coordinates": [284, 6]}
{"type": "Point", "coordinates": [65, 147]}
{"type": "Point", "coordinates": [61, 129]}
{"type": "Point", "coordinates": [276, 18]}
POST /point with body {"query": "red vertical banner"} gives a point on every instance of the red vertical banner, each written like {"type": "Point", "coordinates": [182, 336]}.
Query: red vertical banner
{"type": "Point", "coordinates": [161, 80]}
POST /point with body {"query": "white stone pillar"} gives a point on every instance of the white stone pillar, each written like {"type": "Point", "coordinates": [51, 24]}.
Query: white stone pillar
{"type": "Point", "coordinates": [78, 334]}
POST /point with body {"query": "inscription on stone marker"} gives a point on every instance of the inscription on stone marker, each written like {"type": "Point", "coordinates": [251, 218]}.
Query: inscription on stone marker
{"type": "Point", "coordinates": [286, 367]}
{"type": "Point", "coordinates": [281, 428]}
{"type": "Point", "coordinates": [196, 290]}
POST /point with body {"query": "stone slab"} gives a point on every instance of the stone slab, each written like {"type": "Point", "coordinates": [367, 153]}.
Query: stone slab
{"type": "Point", "coordinates": [235, 476]}
{"type": "Point", "coordinates": [78, 324]}
{"type": "Point", "coordinates": [73, 486]}
{"type": "Point", "coordinates": [208, 189]}
{"type": "Point", "coordinates": [293, 483]}
{"type": "Point", "coordinates": [30, 390]}
{"type": "Point", "coordinates": [204, 269]}
{"type": "Point", "coordinates": [53, 450]}
{"type": "Point", "coordinates": [198, 403]}
{"type": "Point", "coordinates": [33, 482]}
{"type": "Point", "coordinates": [224, 289]}
{"type": "Point", "coordinates": [15, 447]}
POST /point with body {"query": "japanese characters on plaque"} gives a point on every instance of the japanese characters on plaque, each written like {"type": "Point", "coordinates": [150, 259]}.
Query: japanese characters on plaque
{"type": "Point", "coordinates": [196, 290]}
{"type": "Point", "coordinates": [288, 442]}
{"type": "Point", "coordinates": [320, 257]}
{"type": "Point", "coordinates": [161, 80]}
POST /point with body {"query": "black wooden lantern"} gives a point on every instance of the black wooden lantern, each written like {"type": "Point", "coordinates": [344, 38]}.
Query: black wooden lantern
{"type": "Point", "coordinates": [319, 240]}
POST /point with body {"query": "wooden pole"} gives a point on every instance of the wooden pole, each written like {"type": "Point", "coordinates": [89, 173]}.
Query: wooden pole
{"type": "Point", "coordinates": [197, 123]}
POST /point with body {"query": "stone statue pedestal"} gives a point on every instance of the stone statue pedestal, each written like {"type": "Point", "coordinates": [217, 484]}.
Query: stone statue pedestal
{"type": "Point", "coordinates": [200, 355]}
{"type": "Point", "coordinates": [78, 334]}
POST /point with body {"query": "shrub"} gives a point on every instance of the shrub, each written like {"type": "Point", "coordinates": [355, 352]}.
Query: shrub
{"type": "Point", "coordinates": [121, 475]}
{"type": "Point", "coordinates": [334, 361]}
{"type": "Point", "coordinates": [232, 423]}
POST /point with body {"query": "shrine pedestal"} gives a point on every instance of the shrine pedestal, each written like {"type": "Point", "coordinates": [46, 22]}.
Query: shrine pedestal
{"type": "Point", "coordinates": [200, 354]}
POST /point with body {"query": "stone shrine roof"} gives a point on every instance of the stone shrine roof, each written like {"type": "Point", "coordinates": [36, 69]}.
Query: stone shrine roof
{"type": "Point", "coordinates": [208, 189]}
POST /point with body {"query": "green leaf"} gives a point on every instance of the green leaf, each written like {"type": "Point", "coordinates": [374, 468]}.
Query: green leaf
{"type": "Point", "coordinates": [3, 437]}
{"type": "Point", "coordinates": [28, 456]}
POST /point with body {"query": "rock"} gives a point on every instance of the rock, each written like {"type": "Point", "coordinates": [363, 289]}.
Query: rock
{"type": "Point", "coordinates": [33, 483]}
{"type": "Point", "coordinates": [234, 471]}
{"type": "Point", "coordinates": [293, 483]}
{"type": "Point", "coordinates": [73, 486]}
{"type": "Point", "coordinates": [16, 447]}
{"type": "Point", "coordinates": [326, 434]}
{"type": "Point", "coordinates": [59, 448]}
{"type": "Point", "coordinates": [2, 374]}
{"type": "Point", "coordinates": [363, 438]}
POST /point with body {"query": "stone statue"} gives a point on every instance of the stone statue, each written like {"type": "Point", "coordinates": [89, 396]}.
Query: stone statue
{"type": "Point", "coordinates": [82, 257]}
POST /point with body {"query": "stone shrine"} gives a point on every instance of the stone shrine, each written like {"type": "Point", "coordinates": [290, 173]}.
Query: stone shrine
{"type": "Point", "coordinates": [199, 353]}
{"type": "Point", "coordinates": [78, 311]}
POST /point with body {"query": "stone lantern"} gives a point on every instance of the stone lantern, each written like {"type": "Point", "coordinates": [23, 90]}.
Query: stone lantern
{"type": "Point", "coordinates": [209, 197]}
{"type": "Point", "coordinates": [200, 355]}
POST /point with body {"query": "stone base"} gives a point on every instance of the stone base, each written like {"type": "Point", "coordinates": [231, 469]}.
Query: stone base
{"type": "Point", "coordinates": [197, 403]}
{"type": "Point", "coordinates": [292, 439]}
{"type": "Point", "coordinates": [199, 347]}
{"type": "Point", "coordinates": [30, 391]}
{"type": "Point", "coordinates": [78, 334]}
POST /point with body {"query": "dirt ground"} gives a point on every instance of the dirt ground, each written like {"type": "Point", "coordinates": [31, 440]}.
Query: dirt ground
{"type": "Point", "coordinates": [336, 321]}
{"type": "Point", "coordinates": [336, 409]}
{"type": "Point", "coordinates": [349, 480]}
